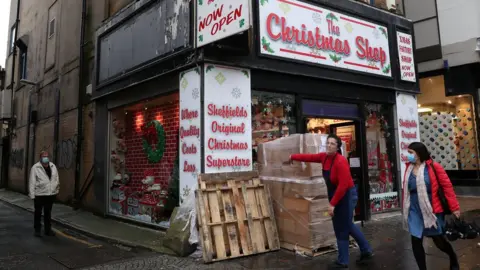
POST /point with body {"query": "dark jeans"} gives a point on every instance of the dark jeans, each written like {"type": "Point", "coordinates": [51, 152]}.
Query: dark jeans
{"type": "Point", "coordinates": [44, 203]}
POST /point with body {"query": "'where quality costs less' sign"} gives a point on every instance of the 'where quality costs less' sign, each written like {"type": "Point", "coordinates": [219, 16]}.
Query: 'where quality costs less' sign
{"type": "Point", "coordinates": [218, 19]}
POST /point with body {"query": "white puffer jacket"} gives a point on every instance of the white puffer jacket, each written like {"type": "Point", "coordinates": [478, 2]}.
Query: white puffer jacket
{"type": "Point", "coordinates": [40, 184]}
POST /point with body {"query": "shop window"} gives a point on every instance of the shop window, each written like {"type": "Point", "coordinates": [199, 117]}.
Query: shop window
{"type": "Point", "coordinates": [12, 39]}
{"type": "Point", "coordinates": [447, 126]}
{"type": "Point", "coordinates": [380, 157]}
{"type": "Point", "coordinates": [143, 160]}
{"type": "Point", "coordinates": [273, 116]}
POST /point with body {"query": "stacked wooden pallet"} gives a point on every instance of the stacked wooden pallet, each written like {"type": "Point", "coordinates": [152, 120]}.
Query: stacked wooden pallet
{"type": "Point", "coordinates": [235, 216]}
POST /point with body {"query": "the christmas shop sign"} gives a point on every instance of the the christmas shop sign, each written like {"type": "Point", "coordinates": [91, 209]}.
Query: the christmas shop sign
{"type": "Point", "coordinates": [297, 30]}
{"type": "Point", "coordinates": [407, 126]}
{"type": "Point", "coordinates": [190, 130]}
{"type": "Point", "coordinates": [218, 19]}
{"type": "Point", "coordinates": [405, 55]}
{"type": "Point", "coordinates": [227, 119]}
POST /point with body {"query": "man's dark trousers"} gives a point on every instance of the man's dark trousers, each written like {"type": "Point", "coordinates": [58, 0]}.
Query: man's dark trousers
{"type": "Point", "coordinates": [44, 203]}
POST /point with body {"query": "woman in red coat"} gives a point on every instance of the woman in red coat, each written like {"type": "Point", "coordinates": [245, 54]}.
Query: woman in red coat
{"type": "Point", "coordinates": [342, 196]}
{"type": "Point", "coordinates": [423, 213]}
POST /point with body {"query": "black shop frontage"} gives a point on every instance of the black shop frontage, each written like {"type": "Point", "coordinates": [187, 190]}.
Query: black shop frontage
{"type": "Point", "coordinates": [324, 68]}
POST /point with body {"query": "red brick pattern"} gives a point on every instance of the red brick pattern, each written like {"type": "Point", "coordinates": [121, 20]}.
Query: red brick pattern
{"type": "Point", "coordinates": [136, 161]}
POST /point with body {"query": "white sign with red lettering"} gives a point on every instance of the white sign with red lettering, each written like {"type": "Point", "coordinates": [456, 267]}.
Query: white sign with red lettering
{"type": "Point", "coordinates": [405, 55]}
{"type": "Point", "coordinates": [227, 119]}
{"type": "Point", "coordinates": [218, 19]}
{"type": "Point", "coordinates": [407, 125]}
{"type": "Point", "coordinates": [190, 131]}
{"type": "Point", "coordinates": [297, 30]}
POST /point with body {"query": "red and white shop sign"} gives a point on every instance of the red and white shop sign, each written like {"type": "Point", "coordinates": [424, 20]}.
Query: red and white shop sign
{"type": "Point", "coordinates": [405, 55]}
{"type": "Point", "coordinates": [407, 126]}
{"type": "Point", "coordinates": [227, 119]}
{"type": "Point", "coordinates": [190, 131]}
{"type": "Point", "coordinates": [297, 30]}
{"type": "Point", "coordinates": [218, 19]}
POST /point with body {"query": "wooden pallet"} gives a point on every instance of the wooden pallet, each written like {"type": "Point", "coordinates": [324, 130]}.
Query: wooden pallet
{"type": "Point", "coordinates": [235, 216]}
{"type": "Point", "coordinates": [307, 251]}
{"type": "Point", "coordinates": [312, 252]}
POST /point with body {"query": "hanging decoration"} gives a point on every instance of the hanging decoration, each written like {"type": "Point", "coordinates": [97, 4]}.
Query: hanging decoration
{"type": "Point", "coordinates": [153, 133]}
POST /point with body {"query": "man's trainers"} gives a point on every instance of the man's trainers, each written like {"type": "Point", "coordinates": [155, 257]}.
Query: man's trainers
{"type": "Point", "coordinates": [365, 257]}
{"type": "Point", "coordinates": [337, 265]}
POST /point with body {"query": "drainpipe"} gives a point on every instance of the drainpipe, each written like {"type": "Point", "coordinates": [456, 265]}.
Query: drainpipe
{"type": "Point", "coordinates": [12, 83]}
{"type": "Point", "coordinates": [80, 105]}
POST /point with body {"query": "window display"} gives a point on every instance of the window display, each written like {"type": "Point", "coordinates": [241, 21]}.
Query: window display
{"type": "Point", "coordinates": [143, 169]}
{"type": "Point", "coordinates": [447, 126]}
{"type": "Point", "coordinates": [273, 116]}
{"type": "Point", "coordinates": [383, 186]}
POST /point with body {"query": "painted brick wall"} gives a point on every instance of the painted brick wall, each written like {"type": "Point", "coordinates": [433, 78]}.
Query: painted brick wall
{"type": "Point", "coordinates": [136, 161]}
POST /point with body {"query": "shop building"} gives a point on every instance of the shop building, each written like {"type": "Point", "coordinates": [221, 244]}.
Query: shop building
{"type": "Point", "coordinates": [448, 65]}
{"type": "Point", "coordinates": [323, 68]}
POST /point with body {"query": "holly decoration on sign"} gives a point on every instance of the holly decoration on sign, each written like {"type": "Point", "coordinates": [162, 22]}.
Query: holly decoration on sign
{"type": "Point", "coordinates": [383, 31]}
{"type": "Point", "coordinates": [200, 38]}
{"type": "Point", "coordinates": [209, 68]}
{"type": "Point", "coordinates": [242, 23]}
{"type": "Point", "coordinates": [332, 17]}
{"type": "Point", "coordinates": [245, 72]}
{"type": "Point", "coordinates": [262, 2]}
{"type": "Point", "coordinates": [386, 69]}
{"type": "Point", "coordinates": [200, 2]}
{"type": "Point", "coordinates": [266, 45]}
{"type": "Point", "coordinates": [335, 58]}
{"type": "Point", "coordinates": [153, 133]}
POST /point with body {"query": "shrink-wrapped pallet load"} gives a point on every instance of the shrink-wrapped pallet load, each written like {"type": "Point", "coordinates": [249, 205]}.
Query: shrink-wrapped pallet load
{"type": "Point", "coordinates": [298, 192]}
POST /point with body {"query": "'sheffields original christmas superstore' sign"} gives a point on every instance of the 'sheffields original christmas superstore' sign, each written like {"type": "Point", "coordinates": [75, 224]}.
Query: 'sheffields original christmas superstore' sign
{"type": "Point", "coordinates": [218, 19]}
{"type": "Point", "coordinates": [296, 30]}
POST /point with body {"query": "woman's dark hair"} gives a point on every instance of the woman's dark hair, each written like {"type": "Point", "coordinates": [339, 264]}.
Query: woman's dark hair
{"type": "Point", "coordinates": [339, 142]}
{"type": "Point", "coordinates": [421, 151]}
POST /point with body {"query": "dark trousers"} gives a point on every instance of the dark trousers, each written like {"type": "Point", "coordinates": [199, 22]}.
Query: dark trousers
{"type": "Point", "coordinates": [44, 203]}
{"type": "Point", "coordinates": [441, 242]}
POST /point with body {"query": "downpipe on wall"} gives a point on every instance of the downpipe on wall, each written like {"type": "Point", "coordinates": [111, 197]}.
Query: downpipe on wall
{"type": "Point", "coordinates": [81, 94]}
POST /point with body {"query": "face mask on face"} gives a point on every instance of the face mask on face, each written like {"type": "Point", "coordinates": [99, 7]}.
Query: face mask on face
{"type": "Point", "coordinates": [45, 160]}
{"type": "Point", "coordinates": [411, 158]}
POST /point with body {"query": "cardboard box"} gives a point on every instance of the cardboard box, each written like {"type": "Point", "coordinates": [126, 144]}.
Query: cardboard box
{"type": "Point", "coordinates": [312, 235]}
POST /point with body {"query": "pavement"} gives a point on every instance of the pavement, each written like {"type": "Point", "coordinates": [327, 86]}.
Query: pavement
{"type": "Point", "coordinates": [86, 241]}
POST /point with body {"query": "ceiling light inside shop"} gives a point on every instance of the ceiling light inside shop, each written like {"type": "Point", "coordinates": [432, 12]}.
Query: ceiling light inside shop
{"type": "Point", "coordinates": [460, 96]}
{"type": "Point", "coordinates": [422, 110]}
{"type": "Point", "coordinates": [449, 102]}
{"type": "Point", "coordinates": [419, 105]}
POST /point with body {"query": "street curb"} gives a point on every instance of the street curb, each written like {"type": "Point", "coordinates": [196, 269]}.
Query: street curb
{"type": "Point", "coordinates": [67, 225]}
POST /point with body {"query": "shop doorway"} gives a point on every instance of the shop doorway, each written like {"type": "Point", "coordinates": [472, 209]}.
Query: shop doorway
{"type": "Point", "coordinates": [350, 134]}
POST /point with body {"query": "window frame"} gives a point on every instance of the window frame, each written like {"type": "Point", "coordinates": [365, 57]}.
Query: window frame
{"type": "Point", "coordinates": [22, 67]}
{"type": "Point", "coordinates": [51, 33]}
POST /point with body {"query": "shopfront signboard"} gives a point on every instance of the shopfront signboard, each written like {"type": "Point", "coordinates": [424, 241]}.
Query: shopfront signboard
{"type": "Point", "coordinates": [190, 131]}
{"type": "Point", "coordinates": [405, 56]}
{"type": "Point", "coordinates": [407, 126]}
{"type": "Point", "coordinates": [227, 119]}
{"type": "Point", "coordinates": [296, 30]}
{"type": "Point", "coordinates": [218, 19]}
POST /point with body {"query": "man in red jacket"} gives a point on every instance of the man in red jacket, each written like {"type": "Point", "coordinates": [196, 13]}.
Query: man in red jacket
{"type": "Point", "coordinates": [343, 198]}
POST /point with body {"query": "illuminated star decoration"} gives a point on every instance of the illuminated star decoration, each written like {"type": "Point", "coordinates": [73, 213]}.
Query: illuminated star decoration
{"type": "Point", "coordinates": [288, 108]}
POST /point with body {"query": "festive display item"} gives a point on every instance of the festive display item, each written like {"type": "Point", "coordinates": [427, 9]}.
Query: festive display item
{"type": "Point", "coordinates": [153, 133]}
{"type": "Point", "coordinates": [147, 204]}
{"type": "Point", "coordinates": [133, 204]}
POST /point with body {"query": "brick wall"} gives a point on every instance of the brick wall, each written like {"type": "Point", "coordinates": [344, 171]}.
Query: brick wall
{"type": "Point", "coordinates": [136, 161]}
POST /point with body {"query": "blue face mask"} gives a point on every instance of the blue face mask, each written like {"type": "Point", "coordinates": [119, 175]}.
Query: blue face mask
{"type": "Point", "coordinates": [45, 160]}
{"type": "Point", "coordinates": [411, 158]}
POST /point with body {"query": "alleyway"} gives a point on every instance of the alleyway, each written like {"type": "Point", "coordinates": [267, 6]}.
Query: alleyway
{"type": "Point", "coordinates": [71, 250]}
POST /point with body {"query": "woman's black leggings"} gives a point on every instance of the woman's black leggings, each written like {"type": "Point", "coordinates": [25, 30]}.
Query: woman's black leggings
{"type": "Point", "coordinates": [441, 243]}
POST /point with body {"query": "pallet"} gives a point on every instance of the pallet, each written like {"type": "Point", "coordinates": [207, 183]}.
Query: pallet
{"type": "Point", "coordinates": [313, 252]}
{"type": "Point", "coordinates": [235, 216]}
{"type": "Point", "coordinates": [307, 251]}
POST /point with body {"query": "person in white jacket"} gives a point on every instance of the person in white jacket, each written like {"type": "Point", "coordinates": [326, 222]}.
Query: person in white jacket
{"type": "Point", "coordinates": [44, 186]}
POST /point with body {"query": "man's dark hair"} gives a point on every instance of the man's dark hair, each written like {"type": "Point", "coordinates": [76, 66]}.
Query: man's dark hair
{"type": "Point", "coordinates": [421, 150]}
{"type": "Point", "coordinates": [339, 142]}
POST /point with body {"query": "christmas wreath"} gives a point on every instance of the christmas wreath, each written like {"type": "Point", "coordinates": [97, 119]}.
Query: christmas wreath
{"type": "Point", "coordinates": [153, 133]}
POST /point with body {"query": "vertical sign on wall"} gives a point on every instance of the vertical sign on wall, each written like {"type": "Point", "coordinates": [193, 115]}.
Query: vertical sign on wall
{"type": "Point", "coordinates": [408, 128]}
{"type": "Point", "coordinates": [405, 55]}
{"type": "Point", "coordinates": [217, 19]}
{"type": "Point", "coordinates": [190, 131]}
{"type": "Point", "coordinates": [227, 119]}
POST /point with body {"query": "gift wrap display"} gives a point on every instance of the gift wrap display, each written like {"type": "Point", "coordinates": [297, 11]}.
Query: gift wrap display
{"type": "Point", "coordinates": [450, 138]}
{"type": "Point", "coordinates": [298, 192]}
